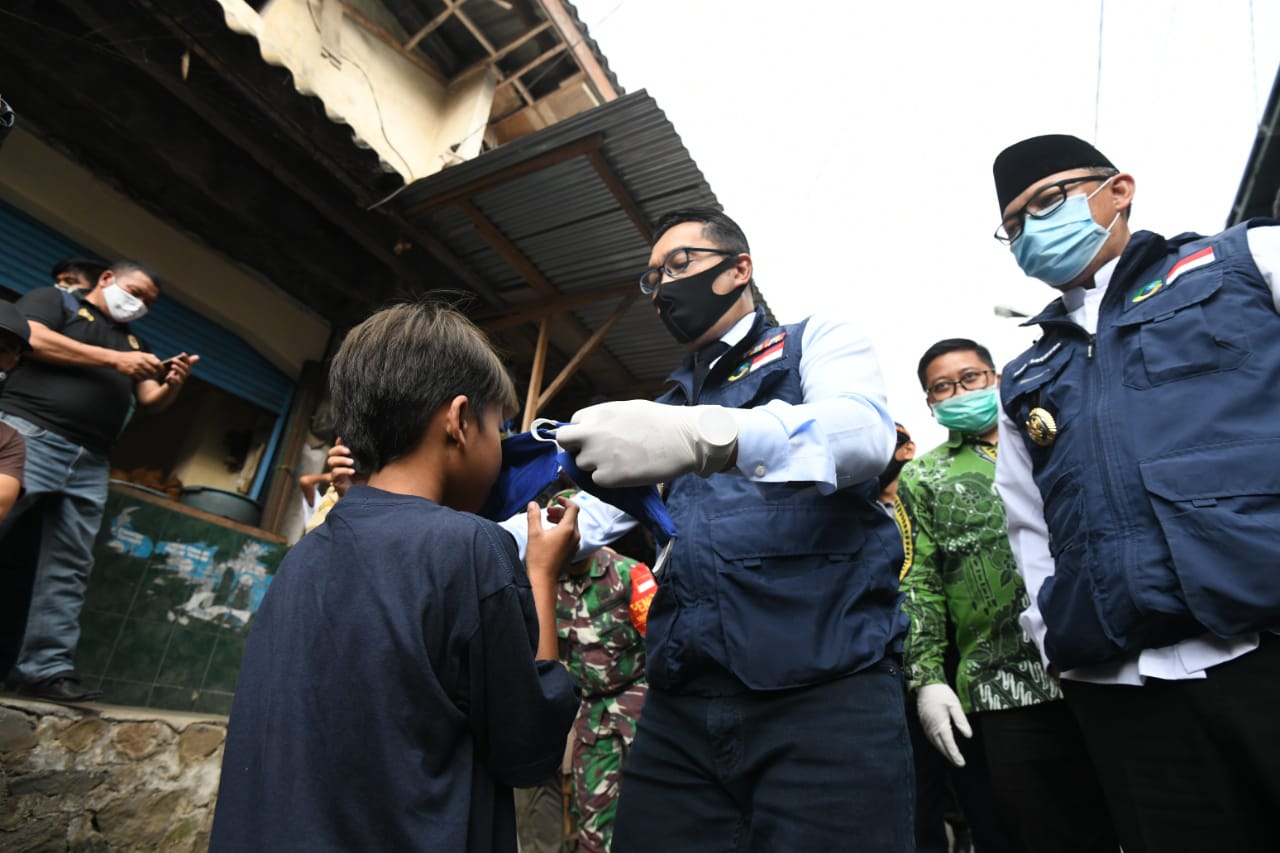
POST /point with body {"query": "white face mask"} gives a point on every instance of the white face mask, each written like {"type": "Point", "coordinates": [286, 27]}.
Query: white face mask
{"type": "Point", "coordinates": [122, 305]}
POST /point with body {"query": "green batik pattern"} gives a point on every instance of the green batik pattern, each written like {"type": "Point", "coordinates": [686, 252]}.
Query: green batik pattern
{"type": "Point", "coordinates": [964, 572]}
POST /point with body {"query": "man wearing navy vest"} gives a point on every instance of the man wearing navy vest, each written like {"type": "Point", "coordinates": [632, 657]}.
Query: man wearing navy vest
{"type": "Point", "coordinates": [774, 719]}
{"type": "Point", "coordinates": [1139, 439]}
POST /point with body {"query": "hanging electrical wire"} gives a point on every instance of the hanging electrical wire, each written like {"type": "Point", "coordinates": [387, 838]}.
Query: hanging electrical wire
{"type": "Point", "coordinates": [1253, 63]}
{"type": "Point", "coordinates": [1097, 92]}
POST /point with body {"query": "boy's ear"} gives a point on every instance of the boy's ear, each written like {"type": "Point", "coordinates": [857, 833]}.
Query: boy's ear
{"type": "Point", "coordinates": [457, 420]}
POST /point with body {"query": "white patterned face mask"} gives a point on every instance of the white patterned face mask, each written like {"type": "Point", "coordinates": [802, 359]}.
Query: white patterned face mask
{"type": "Point", "coordinates": [122, 305]}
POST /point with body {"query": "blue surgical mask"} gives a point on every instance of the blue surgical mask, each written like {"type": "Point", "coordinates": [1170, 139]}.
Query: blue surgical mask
{"type": "Point", "coordinates": [973, 413]}
{"type": "Point", "coordinates": [1060, 246]}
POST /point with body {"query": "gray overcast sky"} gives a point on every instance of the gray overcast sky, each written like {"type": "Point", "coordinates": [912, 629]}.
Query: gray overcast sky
{"type": "Point", "coordinates": [853, 141]}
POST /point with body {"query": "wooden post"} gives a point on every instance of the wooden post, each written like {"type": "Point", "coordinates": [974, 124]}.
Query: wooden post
{"type": "Point", "coordinates": [283, 488]}
{"type": "Point", "coordinates": [586, 350]}
{"type": "Point", "coordinates": [535, 375]}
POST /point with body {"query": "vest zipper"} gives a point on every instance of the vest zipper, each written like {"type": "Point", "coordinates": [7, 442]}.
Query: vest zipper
{"type": "Point", "coordinates": [1114, 498]}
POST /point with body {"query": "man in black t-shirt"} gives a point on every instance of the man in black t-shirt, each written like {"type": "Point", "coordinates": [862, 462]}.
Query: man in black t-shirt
{"type": "Point", "coordinates": [70, 400]}
{"type": "Point", "coordinates": [15, 337]}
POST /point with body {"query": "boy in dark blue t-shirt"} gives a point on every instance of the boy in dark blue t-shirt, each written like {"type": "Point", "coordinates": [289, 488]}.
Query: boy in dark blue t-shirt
{"type": "Point", "coordinates": [401, 674]}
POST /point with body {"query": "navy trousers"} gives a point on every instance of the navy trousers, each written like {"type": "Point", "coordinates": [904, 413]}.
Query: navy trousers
{"type": "Point", "coordinates": [819, 768]}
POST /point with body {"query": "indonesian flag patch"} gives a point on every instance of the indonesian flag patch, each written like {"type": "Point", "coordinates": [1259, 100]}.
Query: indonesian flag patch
{"type": "Point", "coordinates": [1202, 258]}
{"type": "Point", "coordinates": [770, 350]}
{"type": "Point", "coordinates": [643, 589]}
{"type": "Point", "coordinates": [760, 355]}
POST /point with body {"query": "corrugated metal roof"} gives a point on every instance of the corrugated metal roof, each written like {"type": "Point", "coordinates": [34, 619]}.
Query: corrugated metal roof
{"type": "Point", "coordinates": [566, 222]}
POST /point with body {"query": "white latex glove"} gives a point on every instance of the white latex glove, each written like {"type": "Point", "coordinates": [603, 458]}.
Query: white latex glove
{"type": "Point", "coordinates": [939, 709]}
{"type": "Point", "coordinates": [639, 443]}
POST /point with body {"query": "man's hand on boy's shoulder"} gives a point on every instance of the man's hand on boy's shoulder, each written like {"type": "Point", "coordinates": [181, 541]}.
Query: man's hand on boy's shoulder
{"type": "Point", "coordinates": [549, 548]}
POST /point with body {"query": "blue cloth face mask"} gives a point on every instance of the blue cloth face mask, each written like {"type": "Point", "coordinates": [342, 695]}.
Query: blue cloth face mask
{"type": "Point", "coordinates": [1058, 247]}
{"type": "Point", "coordinates": [973, 413]}
{"type": "Point", "coordinates": [531, 461]}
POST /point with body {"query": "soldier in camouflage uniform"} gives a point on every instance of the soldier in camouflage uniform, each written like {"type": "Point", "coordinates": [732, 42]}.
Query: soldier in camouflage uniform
{"type": "Point", "coordinates": [605, 653]}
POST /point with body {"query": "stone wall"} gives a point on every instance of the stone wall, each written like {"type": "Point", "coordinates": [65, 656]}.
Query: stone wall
{"type": "Point", "coordinates": [102, 778]}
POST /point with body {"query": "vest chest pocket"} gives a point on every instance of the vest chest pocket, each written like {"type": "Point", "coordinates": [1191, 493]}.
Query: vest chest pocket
{"type": "Point", "coordinates": [790, 583]}
{"type": "Point", "coordinates": [1188, 331]}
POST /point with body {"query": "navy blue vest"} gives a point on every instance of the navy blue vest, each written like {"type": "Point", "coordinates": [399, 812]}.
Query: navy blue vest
{"type": "Point", "coordinates": [769, 585]}
{"type": "Point", "coordinates": [1162, 486]}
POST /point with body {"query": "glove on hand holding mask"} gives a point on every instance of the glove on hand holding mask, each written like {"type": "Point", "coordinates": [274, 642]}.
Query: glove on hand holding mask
{"type": "Point", "coordinates": [637, 443]}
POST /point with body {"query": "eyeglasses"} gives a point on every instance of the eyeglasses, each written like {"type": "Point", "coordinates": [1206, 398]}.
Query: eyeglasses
{"type": "Point", "coordinates": [674, 265]}
{"type": "Point", "coordinates": [1042, 204]}
{"type": "Point", "coordinates": [970, 380]}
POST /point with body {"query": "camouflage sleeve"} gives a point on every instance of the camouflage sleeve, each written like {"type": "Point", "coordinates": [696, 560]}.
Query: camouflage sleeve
{"type": "Point", "coordinates": [924, 600]}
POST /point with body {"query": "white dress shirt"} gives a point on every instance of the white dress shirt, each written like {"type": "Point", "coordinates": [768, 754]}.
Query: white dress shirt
{"type": "Point", "coordinates": [1029, 535]}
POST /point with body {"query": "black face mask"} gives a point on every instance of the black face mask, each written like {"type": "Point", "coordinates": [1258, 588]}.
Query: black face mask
{"type": "Point", "coordinates": [889, 474]}
{"type": "Point", "coordinates": [688, 306]}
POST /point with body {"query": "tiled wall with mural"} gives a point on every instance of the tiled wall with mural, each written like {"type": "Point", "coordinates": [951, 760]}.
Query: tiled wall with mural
{"type": "Point", "coordinates": [168, 606]}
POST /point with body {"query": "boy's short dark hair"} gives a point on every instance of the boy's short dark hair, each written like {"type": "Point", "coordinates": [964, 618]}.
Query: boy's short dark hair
{"type": "Point", "coordinates": [951, 345]}
{"type": "Point", "coordinates": [397, 368]}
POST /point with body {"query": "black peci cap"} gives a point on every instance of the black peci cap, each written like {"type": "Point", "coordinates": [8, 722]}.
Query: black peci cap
{"type": "Point", "coordinates": [1023, 163]}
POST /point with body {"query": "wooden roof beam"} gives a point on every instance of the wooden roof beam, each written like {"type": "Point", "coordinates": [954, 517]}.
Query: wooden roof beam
{"type": "Point", "coordinates": [432, 25]}
{"type": "Point", "coordinates": [514, 77]}
{"type": "Point", "coordinates": [452, 262]}
{"type": "Point", "coordinates": [531, 274]}
{"type": "Point", "coordinates": [534, 164]}
{"type": "Point", "coordinates": [582, 53]}
{"type": "Point", "coordinates": [393, 42]}
{"type": "Point", "coordinates": [585, 350]}
{"type": "Point", "coordinates": [508, 251]}
{"type": "Point", "coordinates": [479, 36]}
{"type": "Point", "coordinates": [571, 80]}
{"type": "Point", "coordinates": [621, 194]}
{"type": "Point", "coordinates": [556, 306]}
{"type": "Point", "coordinates": [504, 51]}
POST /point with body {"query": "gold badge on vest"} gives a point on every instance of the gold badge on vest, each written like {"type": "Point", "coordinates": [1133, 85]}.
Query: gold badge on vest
{"type": "Point", "coordinates": [1041, 427]}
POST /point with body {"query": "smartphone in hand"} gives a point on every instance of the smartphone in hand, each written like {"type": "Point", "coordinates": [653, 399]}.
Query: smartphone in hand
{"type": "Point", "coordinates": [165, 367]}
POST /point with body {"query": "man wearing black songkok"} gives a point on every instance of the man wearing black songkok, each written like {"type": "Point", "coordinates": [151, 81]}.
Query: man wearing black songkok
{"type": "Point", "coordinates": [1137, 447]}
